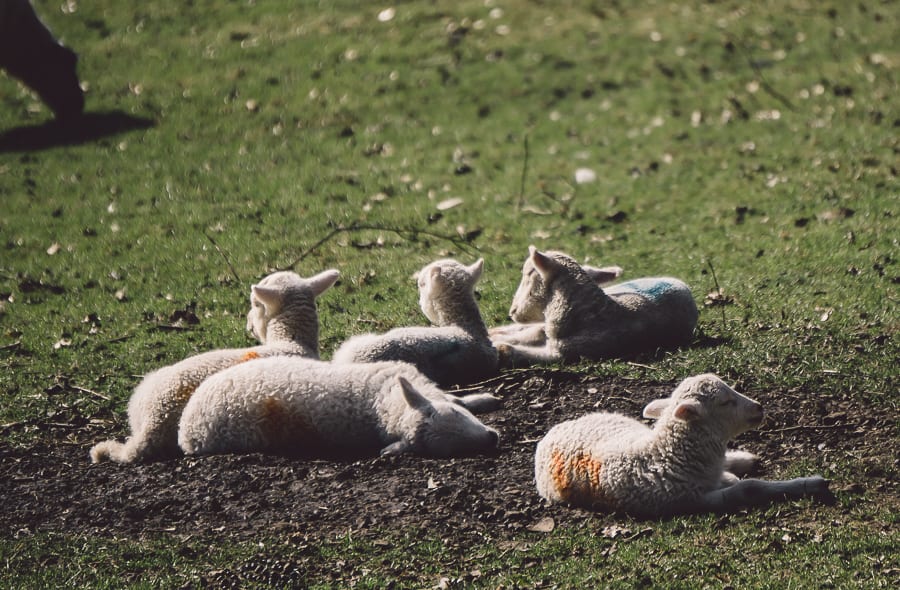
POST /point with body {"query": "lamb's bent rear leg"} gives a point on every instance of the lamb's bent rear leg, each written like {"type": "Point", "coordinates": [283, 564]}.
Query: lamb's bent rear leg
{"type": "Point", "coordinates": [740, 462]}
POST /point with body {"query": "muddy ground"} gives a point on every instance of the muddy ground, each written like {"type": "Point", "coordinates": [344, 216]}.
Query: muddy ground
{"type": "Point", "coordinates": [52, 486]}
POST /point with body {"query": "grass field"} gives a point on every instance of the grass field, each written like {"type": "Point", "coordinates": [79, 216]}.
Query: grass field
{"type": "Point", "coordinates": [751, 150]}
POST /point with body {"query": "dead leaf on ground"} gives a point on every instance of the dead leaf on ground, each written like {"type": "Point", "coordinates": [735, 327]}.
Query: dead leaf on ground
{"type": "Point", "coordinates": [544, 525]}
{"type": "Point", "coordinates": [718, 297]}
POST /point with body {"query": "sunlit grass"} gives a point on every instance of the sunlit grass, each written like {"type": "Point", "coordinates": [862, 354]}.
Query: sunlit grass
{"type": "Point", "coordinates": [748, 149]}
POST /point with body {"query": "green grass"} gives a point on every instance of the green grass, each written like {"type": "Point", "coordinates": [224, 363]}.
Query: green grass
{"type": "Point", "coordinates": [756, 142]}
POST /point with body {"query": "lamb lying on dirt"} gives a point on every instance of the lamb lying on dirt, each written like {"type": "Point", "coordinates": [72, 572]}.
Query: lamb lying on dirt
{"type": "Point", "coordinates": [532, 333]}
{"type": "Point", "coordinates": [303, 407]}
{"type": "Point", "coordinates": [614, 463]}
{"type": "Point", "coordinates": [282, 317]}
{"type": "Point", "coordinates": [456, 350]}
{"type": "Point", "coordinates": [582, 320]}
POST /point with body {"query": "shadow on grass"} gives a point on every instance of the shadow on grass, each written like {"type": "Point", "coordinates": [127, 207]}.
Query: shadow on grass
{"type": "Point", "coordinates": [86, 128]}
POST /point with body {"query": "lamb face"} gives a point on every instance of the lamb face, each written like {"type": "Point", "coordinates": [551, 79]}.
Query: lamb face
{"type": "Point", "coordinates": [708, 400]}
{"type": "Point", "coordinates": [543, 272]}
{"type": "Point", "coordinates": [268, 298]}
{"type": "Point", "coordinates": [444, 282]}
{"type": "Point", "coordinates": [531, 296]}
{"type": "Point", "coordinates": [442, 429]}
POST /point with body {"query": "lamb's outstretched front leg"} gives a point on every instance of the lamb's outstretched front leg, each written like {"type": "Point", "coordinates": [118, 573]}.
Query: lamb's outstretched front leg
{"type": "Point", "coordinates": [757, 492]}
{"type": "Point", "coordinates": [513, 356]}
{"type": "Point", "coordinates": [523, 334]}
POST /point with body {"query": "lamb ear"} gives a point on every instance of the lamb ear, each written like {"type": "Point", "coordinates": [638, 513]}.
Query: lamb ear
{"type": "Point", "coordinates": [655, 408]}
{"type": "Point", "coordinates": [543, 263]}
{"type": "Point", "coordinates": [689, 410]}
{"type": "Point", "coordinates": [434, 272]}
{"type": "Point", "coordinates": [476, 268]}
{"type": "Point", "coordinates": [604, 274]}
{"type": "Point", "coordinates": [323, 281]}
{"type": "Point", "coordinates": [416, 400]}
{"type": "Point", "coordinates": [269, 297]}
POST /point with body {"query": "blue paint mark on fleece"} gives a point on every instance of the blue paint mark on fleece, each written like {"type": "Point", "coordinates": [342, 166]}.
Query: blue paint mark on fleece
{"type": "Point", "coordinates": [650, 288]}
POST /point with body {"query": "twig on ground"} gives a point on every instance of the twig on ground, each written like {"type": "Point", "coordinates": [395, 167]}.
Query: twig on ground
{"type": "Point", "coordinates": [224, 257]}
{"type": "Point", "coordinates": [521, 200]}
{"type": "Point", "coordinates": [809, 427]}
{"type": "Point", "coordinates": [12, 345]}
{"type": "Point", "coordinates": [407, 233]}
{"type": "Point", "coordinates": [633, 364]}
{"type": "Point", "coordinates": [763, 83]}
{"type": "Point", "coordinates": [90, 391]}
{"type": "Point", "coordinates": [712, 270]}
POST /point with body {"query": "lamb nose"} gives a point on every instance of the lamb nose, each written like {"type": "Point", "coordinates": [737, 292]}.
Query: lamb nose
{"type": "Point", "coordinates": [495, 437]}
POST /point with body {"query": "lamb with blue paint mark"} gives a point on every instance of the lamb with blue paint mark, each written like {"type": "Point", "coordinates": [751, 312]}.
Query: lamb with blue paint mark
{"type": "Point", "coordinates": [456, 350]}
{"type": "Point", "coordinates": [582, 320]}
{"type": "Point", "coordinates": [611, 462]}
{"type": "Point", "coordinates": [295, 406]}
{"type": "Point", "coordinates": [282, 317]}
{"type": "Point", "coordinates": [532, 333]}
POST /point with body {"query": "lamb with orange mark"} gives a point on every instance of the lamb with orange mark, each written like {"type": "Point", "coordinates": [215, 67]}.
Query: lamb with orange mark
{"type": "Point", "coordinates": [293, 406]}
{"type": "Point", "coordinates": [614, 463]}
{"type": "Point", "coordinates": [282, 317]}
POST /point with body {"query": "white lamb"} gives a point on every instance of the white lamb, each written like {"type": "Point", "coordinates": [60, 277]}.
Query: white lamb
{"type": "Point", "coordinates": [282, 317]}
{"type": "Point", "coordinates": [304, 407]}
{"type": "Point", "coordinates": [532, 333]}
{"type": "Point", "coordinates": [582, 320]}
{"type": "Point", "coordinates": [455, 350]}
{"type": "Point", "coordinates": [614, 463]}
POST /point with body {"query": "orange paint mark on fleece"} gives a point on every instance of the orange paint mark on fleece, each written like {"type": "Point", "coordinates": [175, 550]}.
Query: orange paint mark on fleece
{"type": "Point", "coordinates": [184, 393]}
{"type": "Point", "coordinates": [249, 356]}
{"type": "Point", "coordinates": [285, 429]}
{"type": "Point", "coordinates": [576, 477]}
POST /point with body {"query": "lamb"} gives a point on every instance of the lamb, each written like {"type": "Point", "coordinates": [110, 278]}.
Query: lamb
{"type": "Point", "coordinates": [456, 350]}
{"type": "Point", "coordinates": [29, 52]}
{"type": "Point", "coordinates": [582, 320]}
{"type": "Point", "coordinates": [532, 333]}
{"type": "Point", "coordinates": [611, 462]}
{"type": "Point", "coordinates": [282, 317]}
{"type": "Point", "coordinates": [311, 408]}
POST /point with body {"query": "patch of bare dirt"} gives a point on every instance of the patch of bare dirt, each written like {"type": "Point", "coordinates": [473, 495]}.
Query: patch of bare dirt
{"type": "Point", "coordinates": [52, 486]}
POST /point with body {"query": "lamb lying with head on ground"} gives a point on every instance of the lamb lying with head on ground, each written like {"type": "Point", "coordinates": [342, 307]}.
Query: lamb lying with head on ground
{"type": "Point", "coordinates": [611, 462]}
{"type": "Point", "coordinates": [456, 350]}
{"type": "Point", "coordinates": [532, 333]}
{"type": "Point", "coordinates": [294, 406]}
{"type": "Point", "coordinates": [282, 317]}
{"type": "Point", "coordinates": [582, 320]}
